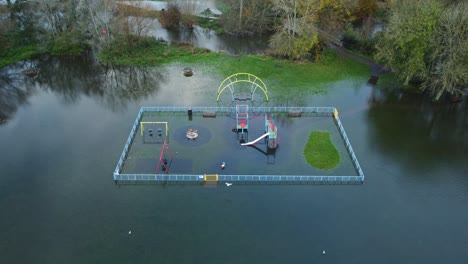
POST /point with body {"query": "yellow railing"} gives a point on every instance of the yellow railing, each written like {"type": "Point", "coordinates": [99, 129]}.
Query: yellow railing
{"type": "Point", "coordinates": [211, 177]}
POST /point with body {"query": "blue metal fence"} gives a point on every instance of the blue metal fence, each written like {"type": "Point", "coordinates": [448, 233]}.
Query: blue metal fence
{"type": "Point", "coordinates": [292, 179]}
{"type": "Point", "coordinates": [351, 153]}
{"type": "Point", "coordinates": [296, 179]}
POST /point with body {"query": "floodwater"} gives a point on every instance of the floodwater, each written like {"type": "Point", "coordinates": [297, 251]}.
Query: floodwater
{"type": "Point", "coordinates": [208, 39]}
{"type": "Point", "coordinates": [61, 135]}
{"type": "Point", "coordinates": [198, 36]}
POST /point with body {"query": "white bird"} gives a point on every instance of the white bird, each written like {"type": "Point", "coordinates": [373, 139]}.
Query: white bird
{"type": "Point", "coordinates": [223, 164]}
{"type": "Point", "coordinates": [323, 252]}
{"type": "Point", "coordinates": [130, 232]}
{"type": "Point", "coordinates": [228, 184]}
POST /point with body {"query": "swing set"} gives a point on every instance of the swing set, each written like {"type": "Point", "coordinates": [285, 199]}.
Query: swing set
{"type": "Point", "coordinates": [163, 162]}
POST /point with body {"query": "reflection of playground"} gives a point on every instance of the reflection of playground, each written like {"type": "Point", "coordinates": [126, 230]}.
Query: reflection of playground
{"type": "Point", "coordinates": [167, 163]}
{"type": "Point", "coordinates": [270, 154]}
{"type": "Point", "coordinates": [178, 165]}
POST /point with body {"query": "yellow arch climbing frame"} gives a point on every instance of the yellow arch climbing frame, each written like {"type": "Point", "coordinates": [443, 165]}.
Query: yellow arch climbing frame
{"type": "Point", "coordinates": [243, 77]}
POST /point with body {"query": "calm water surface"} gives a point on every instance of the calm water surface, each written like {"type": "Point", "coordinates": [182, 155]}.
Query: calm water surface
{"type": "Point", "coordinates": [62, 133]}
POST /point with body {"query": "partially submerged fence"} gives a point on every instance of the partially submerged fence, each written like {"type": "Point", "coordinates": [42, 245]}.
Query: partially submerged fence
{"type": "Point", "coordinates": [292, 179]}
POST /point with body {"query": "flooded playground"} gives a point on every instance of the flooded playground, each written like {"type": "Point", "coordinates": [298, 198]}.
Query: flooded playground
{"type": "Point", "coordinates": [66, 129]}
{"type": "Point", "coordinates": [162, 145]}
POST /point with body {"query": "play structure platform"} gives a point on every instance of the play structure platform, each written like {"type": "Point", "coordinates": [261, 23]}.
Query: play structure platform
{"type": "Point", "coordinates": [241, 114]}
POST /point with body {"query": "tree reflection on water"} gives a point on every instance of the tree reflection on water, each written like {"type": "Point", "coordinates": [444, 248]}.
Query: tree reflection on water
{"type": "Point", "coordinates": [13, 91]}
{"type": "Point", "coordinates": [415, 130]}
{"type": "Point", "coordinates": [71, 78]}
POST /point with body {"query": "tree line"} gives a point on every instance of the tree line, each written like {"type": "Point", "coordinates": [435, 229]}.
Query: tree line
{"type": "Point", "coordinates": [423, 41]}
{"type": "Point", "coordinates": [426, 42]}
{"type": "Point", "coordinates": [64, 26]}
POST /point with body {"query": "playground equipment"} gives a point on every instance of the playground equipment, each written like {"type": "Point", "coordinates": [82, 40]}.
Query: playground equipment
{"type": "Point", "coordinates": [272, 130]}
{"type": "Point", "coordinates": [256, 140]}
{"type": "Point", "coordinates": [271, 134]}
{"type": "Point", "coordinates": [192, 134]}
{"type": "Point", "coordinates": [242, 122]}
{"type": "Point", "coordinates": [242, 93]}
{"type": "Point", "coordinates": [121, 177]}
{"type": "Point", "coordinates": [242, 118]}
{"type": "Point", "coordinates": [160, 128]}
{"type": "Point", "coordinates": [163, 162]}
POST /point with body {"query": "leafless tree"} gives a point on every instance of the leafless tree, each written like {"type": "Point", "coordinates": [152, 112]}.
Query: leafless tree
{"type": "Point", "coordinates": [248, 17]}
{"type": "Point", "coordinates": [100, 14]}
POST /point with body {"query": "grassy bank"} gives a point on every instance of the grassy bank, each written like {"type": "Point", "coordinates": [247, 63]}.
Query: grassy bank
{"type": "Point", "coordinates": [147, 52]}
{"type": "Point", "coordinates": [282, 74]}
{"type": "Point", "coordinates": [140, 11]}
{"type": "Point", "coordinates": [16, 54]}
{"type": "Point", "coordinates": [320, 151]}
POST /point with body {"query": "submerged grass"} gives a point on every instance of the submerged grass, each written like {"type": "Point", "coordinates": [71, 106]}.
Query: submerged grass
{"type": "Point", "coordinates": [282, 74]}
{"type": "Point", "coordinates": [320, 151]}
{"type": "Point", "coordinates": [17, 53]}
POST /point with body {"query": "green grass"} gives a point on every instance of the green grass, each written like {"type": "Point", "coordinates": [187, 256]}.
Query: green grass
{"type": "Point", "coordinates": [17, 53]}
{"type": "Point", "coordinates": [129, 10]}
{"type": "Point", "coordinates": [148, 52]}
{"type": "Point", "coordinates": [281, 74]}
{"type": "Point", "coordinates": [67, 43]}
{"type": "Point", "coordinates": [320, 151]}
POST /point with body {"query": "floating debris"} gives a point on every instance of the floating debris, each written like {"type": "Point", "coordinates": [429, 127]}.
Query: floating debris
{"type": "Point", "coordinates": [32, 72]}
{"type": "Point", "coordinates": [188, 71]}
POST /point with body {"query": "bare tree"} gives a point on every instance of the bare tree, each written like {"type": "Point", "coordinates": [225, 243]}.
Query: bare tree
{"type": "Point", "coordinates": [248, 17]}
{"type": "Point", "coordinates": [189, 9]}
{"type": "Point", "coordinates": [100, 14]}
{"type": "Point", "coordinates": [132, 19]}
{"type": "Point", "coordinates": [51, 11]}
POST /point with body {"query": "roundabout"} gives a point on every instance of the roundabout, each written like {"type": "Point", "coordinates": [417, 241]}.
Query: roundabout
{"type": "Point", "coordinates": [192, 134]}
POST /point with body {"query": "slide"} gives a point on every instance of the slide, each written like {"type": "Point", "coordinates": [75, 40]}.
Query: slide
{"type": "Point", "coordinates": [255, 141]}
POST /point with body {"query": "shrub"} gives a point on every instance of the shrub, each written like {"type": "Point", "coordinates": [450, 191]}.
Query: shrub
{"type": "Point", "coordinates": [68, 43]}
{"type": "Point", "coordinates": [171, 17]}
{"type": "Point", "coordinates": [354, 40]}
